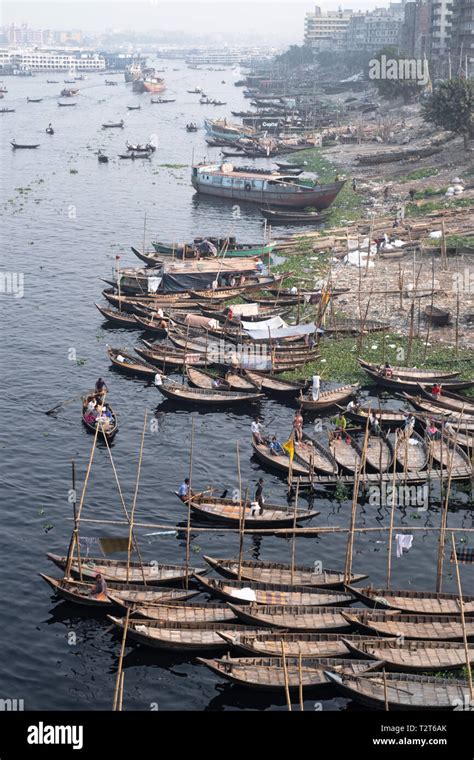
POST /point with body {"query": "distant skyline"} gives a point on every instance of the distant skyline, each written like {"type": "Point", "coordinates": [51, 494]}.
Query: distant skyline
{"type": "Point", "coordinates": [275, 22]}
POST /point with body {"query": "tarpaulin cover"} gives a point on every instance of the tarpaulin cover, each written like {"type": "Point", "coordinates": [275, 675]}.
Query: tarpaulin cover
{"type": "Point", "coordinates": [274, 323]}
{"type": "Point", "coordinates": [196, 320]}
{"type": "Point", "coordinates": [245, 309]}
{"type": "Point", "coordinates": [283, 332]}
{"type": "Point", "coordinates": [179, 282]}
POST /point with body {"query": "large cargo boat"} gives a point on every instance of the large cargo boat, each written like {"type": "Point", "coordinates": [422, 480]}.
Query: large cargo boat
{"type": "Point", "coordinates": [224, 181]}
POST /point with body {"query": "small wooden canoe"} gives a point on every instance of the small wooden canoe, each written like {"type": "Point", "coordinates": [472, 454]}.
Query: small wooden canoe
{"type": "Point", "coordinates": [390, 418]}
{"type": "Point", "coordinates": [412, 656]}
{"type": "Point", "coordinates": [118, 318]}
{"type": "Point", "coordinates": [437, 316]}
{"type": "Point", "coordinates": [183, 637]}
{"type": "Point", "coordinates": [311, 454]}
{"type": "Point", "coordinates": [293, 617]}
{"type": "Point", "coordinates": [411, 451]}
{"type": "Point", "coordinates": [272, 674]}
{"type": "Point", "coordinates": [389, 623]}
{"type": "Point", "coordinates": [192, 612]}
{"type": "Point", "coordinates": [416, 602]}
{"type": "Point", "coordinates": [18, 146]}
{"type": "Point", "coordinates": [273, 385]}
{"type": "Point", "coordinates": [434, 411]}
{"type": "Point", "coordinates": [413, 373]}
{"type": "Point", "coordinates": [446, 453]}
{"type": "Point", "coordinates": [378, 453]}
{"type": "Point", "coordinates": [121, 594]}
{"type": "Point", "coordinates": [268, 643]}
{"type": "Point", "coordinates": [395, 383]}
{"type": "Point", "coordinates": [152, 325]}
{"type": "Point", "coordinates": [241, 592]}
{"type": "Point", "coordinates": [187, 395]}
{"type": "Point", "coordinates": [447, 400]}
{"type": "Point", "coordinates": [279, 573]}
{"type": "Point", "coordinates": [199, 378]}
{"type": "Point", "coordinates": [236, 381]}
{"type": "Point", "coordinates": [346, 453]}
{"type": "Point", "coordinates": [229, 512]}
{"type": "Point", "coordinates": [327, 399]}
{"type": "Point", "coordinates": [166, 358]}
{"type": "Point", "coordinates": [108, 426]}
{"type": "Point", "coordinates": [154, 573]}
{"type": "Point", "coordinates": [277, 461]}
{"type": "Point", "coordinates": [130, 365]}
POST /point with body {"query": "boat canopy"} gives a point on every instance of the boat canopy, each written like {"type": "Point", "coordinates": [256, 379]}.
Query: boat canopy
{"type": "Point", "coordinates": [282, 332]}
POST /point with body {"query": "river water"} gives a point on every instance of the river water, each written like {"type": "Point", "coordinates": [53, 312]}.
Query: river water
{"type": "Point", "coordinates": [64, 219]}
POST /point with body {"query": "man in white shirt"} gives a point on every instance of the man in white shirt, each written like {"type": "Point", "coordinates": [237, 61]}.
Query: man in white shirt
{"type": "Point", "coordinates": [256, 431]}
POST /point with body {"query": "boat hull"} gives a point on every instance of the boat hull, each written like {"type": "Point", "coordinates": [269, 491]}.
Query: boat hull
{"type": "Point", "coordinates": [319, 198]}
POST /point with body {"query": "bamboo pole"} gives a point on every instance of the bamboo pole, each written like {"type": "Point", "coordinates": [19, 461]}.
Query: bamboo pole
{"type": "Point", "coordinates": [242, 532]}
{"type": "Point", "coordinates": [188, 526]}
{"type": "Point", "coordinates": [444, 514]}
{"type": "Point", "coordinates": [392, 515]}
{"type": "Point", "coordinates": [285, 675]}
{"type": "Point", "coordinates": [350, 537]}
{"type": "Point", "coordinates": [385, 690]}
{"type": "Point", "coordinates": [135, 495]}
{"type": "Point", "coordinates": [120, 664]}
{"type": "Point", "coordinates": [300, 672]}
{"type": "Point", "coordinates": [293, 544]}
{"type": "Point", "coordinates": [463, 619]}
{"type": "Point", "coordinates": [75, 532]}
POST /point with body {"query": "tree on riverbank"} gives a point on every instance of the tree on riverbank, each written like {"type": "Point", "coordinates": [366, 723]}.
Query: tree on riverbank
{"type": "Point", "coordinates": [451, 107]}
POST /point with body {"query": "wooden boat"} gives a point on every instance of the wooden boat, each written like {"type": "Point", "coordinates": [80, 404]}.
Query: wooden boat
{"type": "Point", "coordinates": [277, 461]}
{"type": "Point", "coordinates": [34, 100]}
{"type": "Point", "coordinates": [24, 146]}
{"type": "Point", "coordinates": [162, 100]}
{"type": "Point", "coordinates": [163, 301]}
{"type": "Point", "coordinates": [279, 574]}
{"type": "Point", "coordinates": [214, 294]}
{"type": "Point", "coordinates": [228, 512]}
{"type": "Point", "coordinates": [327, 399]}
{"type": "Point", "coordinates": [294, 217]}
{"type": "Point", "coordinates": [226, 247]}
{"type": "Point", "coordinates": [412, 373]}
{"type": "Point", "coordinates": [155, 574]}
{"type": "Point", "coordinates": [108, 427]}
{"type": "Point", "coordinates": [185, 637]}
{"type": "Point", "coordinates": [201, 379]}
{"type": "Point", "coordinates": [311, 454]}
{"type": "Point", "coordinates": [446, 453]}
{"type": "Point", "coordinates": [7, 110]}
{"type": "Point", "coordinates": [417, 602]}
{"type": "Point", "coordinates": [411, 451]}
{"type": "Point", "coordinates": [114, 125]}
{"type": "Point", "coordinates": [130, 365]}
{"type": "Point", "coordinates": [66, 105]}
{"type": "Point", "coordinates": [267, 643]}
{"type": "Point", "coordinates": [151, 325]}
{"type": "Point", "coordinates": [118, 318]}
{"type": "Point", "coordinates": [452, 401]}
{"type": "Point", "coordinates": [378, 454]}
{"type": "Point", "coordinates": [395, 383]}
{"type": "Point", "coordinates": [120, 594]}
{"type": "Point", "coordinates": [167, 359]}
{"type": "Point", "coordinates": [465, 421]}
{"type": "Point", "coordinates": [273, 385]}
{"type": "Point", "coordinates": [292, 617]}
{"type": "Point", "coordinates": [135, 154]}
{"type": "Point", "coordinates": [269, 593]}
{"type": "Point", "coordinates": [400, 691]}
{"type": "Point", "coordinates": [464, 440]}
{"type": "Point", "coordinates": [411, 656]}
{"type": "Point", "coordinates": [346, 453]}
{"type": "Point", "coordinates": [390, 623]}
{"type": "Point", "coordinates": [437, 316]}
{"type": "Point", "coordinates": [354, 326]}
{"type": "Point", "coordinates": [191, 613]}
{"type": "Point", "coordinates": [272, 674]}
{"type": "Point", "coordinates": [386, 417]}
{"type": "Point", "coordinates": [238, 382]}
{"type": "Point", "coordinates": [188, 395]}
{"type": "Point", "coordinates": [133, 108]}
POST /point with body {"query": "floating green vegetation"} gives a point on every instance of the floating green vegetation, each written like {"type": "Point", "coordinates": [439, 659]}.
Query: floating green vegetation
{"type": "Point", "coordinates": [80, 361]}
{"type": "Point", "coordinates": [174, 166]}
{"type": "Point", "coordinates": [424, 173]}
{"type": "Point", "coordinates": [73, 171]}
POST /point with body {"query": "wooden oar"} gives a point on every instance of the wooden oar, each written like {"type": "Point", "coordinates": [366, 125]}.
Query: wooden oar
{"type": "Point", "coordinates": [67, 401]}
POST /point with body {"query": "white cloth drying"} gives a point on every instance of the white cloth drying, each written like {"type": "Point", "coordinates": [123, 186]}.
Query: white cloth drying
{"type": "Point", "coordinates": [404, 543]}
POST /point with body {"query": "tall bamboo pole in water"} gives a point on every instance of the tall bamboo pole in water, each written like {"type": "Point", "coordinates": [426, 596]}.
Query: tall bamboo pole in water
{"type": "Point", "coordinates": [188, 525]}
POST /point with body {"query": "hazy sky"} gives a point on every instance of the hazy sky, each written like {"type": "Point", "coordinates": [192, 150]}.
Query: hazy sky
{"type": "Point", "coordinates": [276, 20]}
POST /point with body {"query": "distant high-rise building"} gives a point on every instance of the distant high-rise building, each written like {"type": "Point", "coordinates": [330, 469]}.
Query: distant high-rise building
{"type": "Point", "coordinates": [415, 30]}
{"type": "Point", "coordinates": [440, 20]}
{"type": "Point", "coordinates": [373, 30]}
{"type": "Point", "coordinates": [324, 31]}
{"type": "Point", "coordinates": [461, 37]}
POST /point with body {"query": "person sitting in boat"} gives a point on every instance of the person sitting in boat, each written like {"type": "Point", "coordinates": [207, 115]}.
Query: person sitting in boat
{"type": "Point", "coordinates": [217, 382]}
{"type": "Point", "coordinates": [408, 424]}
{"type": "Point", "coordinates": [353, 406]}
{"type": "Point", "coordinates": [387, 370]}
{"type": "Point", "coordinates": [276, 449]}
{"type": "Point", "coordinates": [436, 391]}
{"type": "Point", "coordinates": [340, 425]}
{"type": "Point", "coordinates": [100, 587]}
{"type": "Point", "coordinates": [91, 406]}
{"type": "Point", "coordinates": [206, 248]}
{"type": "Point", "coordinates": [256, 429]}
{"type": "Point", "coordinates": [432, 432]}
{"type": "Point", "coordinates": [184, 491]}
{"type": "Point", "coordinates": [374, 424]}
{"type": "Point", "coordinates": [100, 387]}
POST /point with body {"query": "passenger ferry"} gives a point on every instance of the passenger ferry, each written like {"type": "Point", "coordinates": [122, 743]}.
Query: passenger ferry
{"type": "Point", "coordinates": [273, 189]}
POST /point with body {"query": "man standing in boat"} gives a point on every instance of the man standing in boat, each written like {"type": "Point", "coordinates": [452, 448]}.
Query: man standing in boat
{"type": "Point", "coordinates": [259, 498]}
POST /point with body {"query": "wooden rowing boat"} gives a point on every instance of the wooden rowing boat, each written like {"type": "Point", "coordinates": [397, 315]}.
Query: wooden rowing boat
{"type": "Point", "coordinates": [130, 365]}
{"type": "Point", "coordinates": [411, 451]}
{"type": "Point", "coordinates": [151, 325]}
{"type": "Point", "coordinates": [389, 623]}
{"type": "Point", "coordinates": [201, 379]}
{"type": "Point", "coordinates": [378, 453]}
{"type": "Point", "coordinates": [385, 417]}
{"type": "Point", "coordinates": [268, 643]}
{"type": "Point", "coordinates": [273, 385]}
{"type": "Point", "coordinates": [153, 573]}
{"type": "Point", "coordinates": [292, 617]}
{"type": "Point", "coordinates": [184, 637]}
{"type": "Point", "coordinates": [437, 316]}
{"type": "Point", "coordinates": [447, 453]}
{"type": "Point", "coordinates": [167, 612]}
{"type": "Point", "coordinates": [271, 674]}
{"type": "Point", "coordinates": [279, 462]}
{"type": "Point", "coordinates": [399, 691]}
{"type": "Point", "coordinates": [413, 373]}
{"type": "Point", "coordinates": [412, 656]}
{"type": "Point", "coordinates": [168, 359]}
{"type": "Point", "coordinates": [354, 326]}
{"type": "Point", "coordinates": [229, 512]}
{"type": "Point", "coordinates": [448, 400]}
{"type": "Point", "coordinates": [311, 454]}
{"type": "Point", "coordinates": [107, 425]}
{"type": "Point", "coordinates": [237, 381]}
{"type": "Point", "coordinates": [121, 594]}
{"type": "Point", "coordinates": [186, 394]}
{"type": "Point", "coordinates": [465, 421]}
{"type": "Point", "coordinates": [118, 318]}
{"type": "Point", "coordinates": [279, 573]}
{"type": "Point", "coordinates": [416, 602]}
{"type": "Point", "coordinates": [269, 593]}
{"type": "Point", "coordinates": [395, 383]}
{"type": "Point", "coordinates": [346, 453]}
{"type": "Point", "coordinates": [327, 398]}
